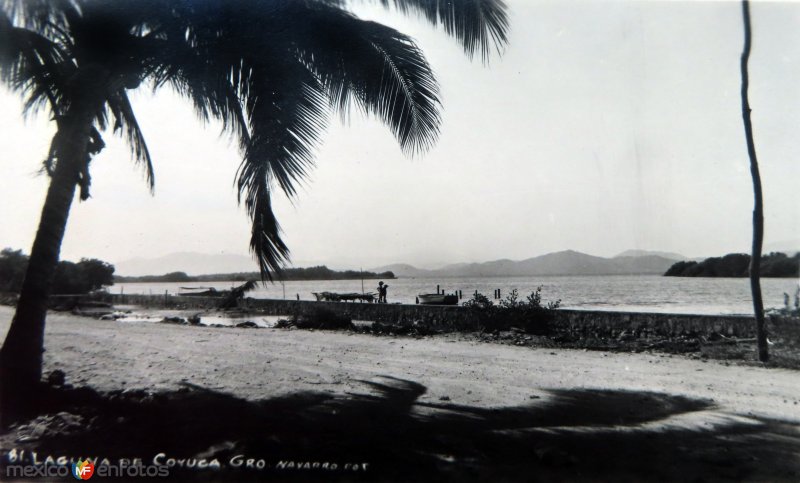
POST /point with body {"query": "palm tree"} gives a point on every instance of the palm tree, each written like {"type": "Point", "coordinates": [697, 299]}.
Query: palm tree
{"type": "Point", "coordinates": [272, 71]}
{"type": "Point", "coordinates": [758, 205]}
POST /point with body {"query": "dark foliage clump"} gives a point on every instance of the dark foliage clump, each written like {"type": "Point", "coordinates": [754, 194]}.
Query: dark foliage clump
{"type": "Point", "coordinates": [82, 277]}
{"type": "Point", "coordinates": [71, 278]}
{"type": "Point", "coordinates": [738, 265]}
{"type": "Point", "coordinates": [479, 303]}
{"type": "Point", "coordinates": [12, 269]}
{"type": "Point", "coordinates": [529, 315]}
{"type": "Point", "coordinates": [321, 318]}
{"type": "Point", "coordinates": [310, 273]}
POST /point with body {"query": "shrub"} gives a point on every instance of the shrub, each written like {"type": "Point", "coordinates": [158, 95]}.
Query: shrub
{"type": "Point", "coordinates": [511, 312]}
{"type": "Point", "coordinates": [12, 269]}
{"type": "Point", "coordinates": [82, 277]}
{"type": "Point", "coordinates": [70, 278]}
{"type": "Point", "coordinates": [321, 318]}
{"type": "Point", "coordinates": [479, 302]}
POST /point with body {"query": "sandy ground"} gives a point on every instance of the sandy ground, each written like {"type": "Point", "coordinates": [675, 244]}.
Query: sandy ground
{"type": "Point", "coordinates": [265, 363]}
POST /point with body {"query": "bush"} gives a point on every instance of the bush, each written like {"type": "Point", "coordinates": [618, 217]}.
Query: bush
{"type": "Point", "coordinates": [82, 277]}
{"type": "Point", "coordinates": [321, 318]}
{"type": "Point", "coordinates": [511, 312]}
{"type": "Point", "coordinates": [774, 264]}
{"type": "Point", "coordinates": [70, 278]}
{"type": "Point", "coordinates": [479, 302]}
{"type": "Point", "coordinates": [12, 269]}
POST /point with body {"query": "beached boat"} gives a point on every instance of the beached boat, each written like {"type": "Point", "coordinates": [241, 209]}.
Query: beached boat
{"type": "Point", "coordinates": [205, 292]}
{"type": "Point", "coordinates": [437, 299]}
{"type": "Point", "coordinates": [343, 297]}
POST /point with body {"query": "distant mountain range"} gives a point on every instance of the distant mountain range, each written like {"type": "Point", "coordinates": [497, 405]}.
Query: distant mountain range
{"type": "Point", "coordinates": [568, 262]}
{"type": "Point", "coordinates": [643, 253]}
{"type": "Point", "coordinates": [189, 262]}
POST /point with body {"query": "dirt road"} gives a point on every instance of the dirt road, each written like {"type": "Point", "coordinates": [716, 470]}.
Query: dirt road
{"type": "Point", "coordinates": [314, 406]}
{"type": "Point", "coordinates": [261, 363]}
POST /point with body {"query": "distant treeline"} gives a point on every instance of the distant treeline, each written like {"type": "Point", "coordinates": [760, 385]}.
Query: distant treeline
{"type": "Point", "coordinates": [71, 278]}
{"type": "Point", "coordinates": [738, 265]}
{"type": "Point", "coordinates": [310, 273]}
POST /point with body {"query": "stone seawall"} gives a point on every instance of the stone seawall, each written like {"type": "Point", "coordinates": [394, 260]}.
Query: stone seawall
{"type": "Point", "coordinates": [455, 317]}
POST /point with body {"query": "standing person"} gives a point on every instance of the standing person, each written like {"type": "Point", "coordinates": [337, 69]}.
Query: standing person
{"type": "Point", "coordinates": [385, 289]}
{"type": "Point", "coordinates": [381, 292]}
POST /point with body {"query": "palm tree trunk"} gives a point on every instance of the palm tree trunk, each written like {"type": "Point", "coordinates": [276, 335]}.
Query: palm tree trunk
{"type": "Point", "coordinates": [21, 354]}
{"type": "Point", "coordinates": [758, 206]}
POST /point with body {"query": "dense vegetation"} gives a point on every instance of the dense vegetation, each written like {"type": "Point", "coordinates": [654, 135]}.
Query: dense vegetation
{"type": "Point", "coordinates": [530, 314]}
{"type": "Point", "coordinates": [310, 273]}
{"type": "Point", "coordinates": [71, 278]}
{"type": "Point", "coordinates": [737, 265]}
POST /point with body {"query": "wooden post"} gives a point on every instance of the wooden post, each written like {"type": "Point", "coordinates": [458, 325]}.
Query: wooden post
{"type": "Point", "coordinates": [758, 202]}
{"type": "Point", "coordinates": [437, 290]}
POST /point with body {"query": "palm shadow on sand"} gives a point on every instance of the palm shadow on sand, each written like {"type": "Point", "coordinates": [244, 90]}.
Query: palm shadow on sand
{"type": "Point", "coordinates": [566, 435]}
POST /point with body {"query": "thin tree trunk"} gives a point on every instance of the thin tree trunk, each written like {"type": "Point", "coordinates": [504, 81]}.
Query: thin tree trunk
{"type": "Point", "coordinates": [758, 206]}
{"type": "Point", "coordinates": [21, 354]}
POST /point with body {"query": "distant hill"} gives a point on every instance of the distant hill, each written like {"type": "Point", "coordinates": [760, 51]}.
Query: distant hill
{"type": "Point", "coordinates": [403, 270]}
{"type": "Point", "coordinates": [310, 273]}
{"type": "Point", "coordinates": [189, 262]}
{"type": "Point", "coordinates": [645, 253]}
{"type": "Point", "coordinates": [737, 265]}
{"type": "Point", "coordinates": [568, 262]}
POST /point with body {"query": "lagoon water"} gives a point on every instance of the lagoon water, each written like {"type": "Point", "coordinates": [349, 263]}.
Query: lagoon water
{"type": "Point", "coordinates": [629, 293]}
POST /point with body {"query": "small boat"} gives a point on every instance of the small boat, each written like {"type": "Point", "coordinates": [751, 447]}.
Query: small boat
{"type": "Point", "coordinates": [206, 292]}
{"type": "Point", "coordinates": [343, 297]}
{"type": "Point", "coordinates": [437, 299]}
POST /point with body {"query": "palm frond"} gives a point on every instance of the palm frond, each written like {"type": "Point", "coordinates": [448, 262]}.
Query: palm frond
{"type": "Point", "coordinates": [266, 244]}
{"type": "Point", "coordinates": [222, 57]}
{"type": "Point", "coordinates": [39, 15]}
{"type": "Point", "coordinates": [211, 84]}
{"type": "Point", "coordinates": [270, 70]}
{"type": "Point", "coordinates": [479, 25]}
{"type": "Point", "coordinates": [33, 65]}
{"type": "Point", "coordinates": [288, 112]}
{"type": "Point", "coordinates": [125, 124]}
{"type": "Point", "coordinates": [287, 63]}
{"type": "Point", "coordinates": [388, 76]}
{"type": "Point", "coordinates": [378, 68]}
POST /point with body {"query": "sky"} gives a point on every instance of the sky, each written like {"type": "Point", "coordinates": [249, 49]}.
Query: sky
{"type": "Point", "coordinates": [603, 126]}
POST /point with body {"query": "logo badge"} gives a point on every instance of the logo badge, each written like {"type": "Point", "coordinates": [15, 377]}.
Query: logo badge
{"type": "Point", "coordinates": [83, 470]}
